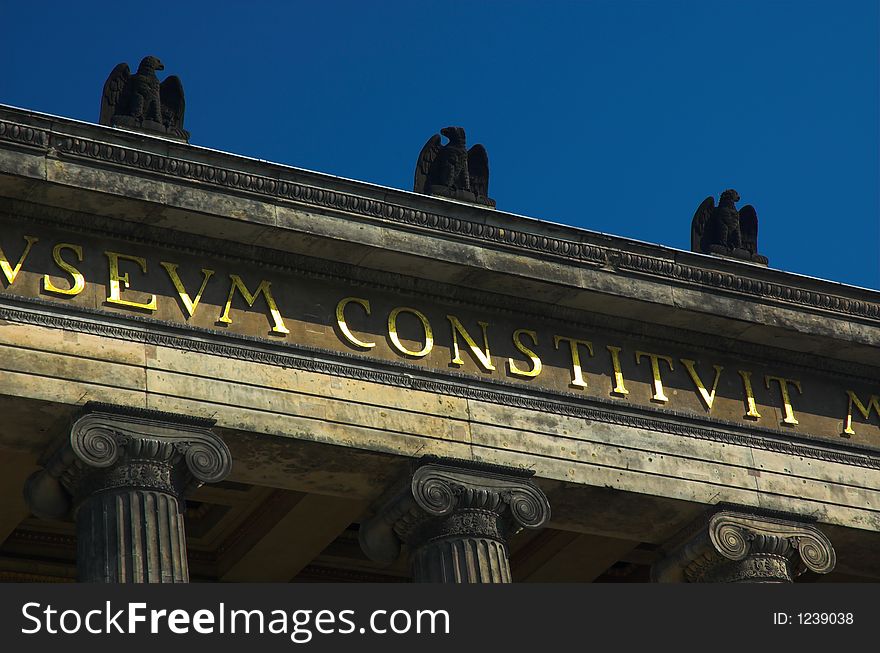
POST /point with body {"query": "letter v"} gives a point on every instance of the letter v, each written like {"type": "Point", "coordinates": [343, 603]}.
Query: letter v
{"type": "Point", "coordinates": [707, 397]}
{"type": "Point", "coordinates": [188, 303]}
{"type": "Point", "coordinates": [11, 272]}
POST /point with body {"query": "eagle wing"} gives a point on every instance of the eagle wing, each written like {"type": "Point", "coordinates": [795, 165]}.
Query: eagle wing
{"type": "Point", "coordinates": [748, 228]}
{"type": "Point", "coordinates": [173, 104]}
{"type": "Point", "coordinates": [478, 170]}
{"type": "Point", "coordinates": [426, 160]}
{"type": "Point", "coordinates": [700, 223]}
{"type": "Point", "coordinates": [113, 88]}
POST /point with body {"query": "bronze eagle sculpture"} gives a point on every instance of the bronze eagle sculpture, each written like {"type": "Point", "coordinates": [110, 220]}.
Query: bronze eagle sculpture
{"type": "Point", "coordinates": [140, 102]}
{"type": "Point", "coordinates": [725, 230]}
{"type": "Point", "coordinates": [452, 170]}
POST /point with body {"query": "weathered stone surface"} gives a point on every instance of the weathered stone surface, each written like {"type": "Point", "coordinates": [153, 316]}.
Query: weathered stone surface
{"type": "Point", "coordinates": [121, 377]}
{"type": "Point", "coordinates": [315, 408]}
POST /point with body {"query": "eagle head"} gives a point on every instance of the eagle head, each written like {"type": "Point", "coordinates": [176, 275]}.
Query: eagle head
{"type": "Point", "coordinates": [454, 134]}
{"type": "Point", "coordinates": [730, 196]}
{"type": "Point", "coordinates": [150, 65]}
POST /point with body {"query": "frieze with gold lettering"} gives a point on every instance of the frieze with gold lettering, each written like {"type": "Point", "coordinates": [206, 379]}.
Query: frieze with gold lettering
{"type": "Point", "coordinates": [246, 297]}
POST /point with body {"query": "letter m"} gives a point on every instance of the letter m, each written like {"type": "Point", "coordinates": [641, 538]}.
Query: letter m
{"type": "Point", "coordinates": [873, 403]}
{"type": "Point", "coordinates": [250, 297]}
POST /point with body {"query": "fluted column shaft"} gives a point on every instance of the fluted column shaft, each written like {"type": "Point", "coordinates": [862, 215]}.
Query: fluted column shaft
{"type": "Point", "coordinates": [461, 560]}
{"type": "Point", "coordinates": [131, 536]}
{"type": "Point", "coordinates": [124, 477]}
{"type": "Point", "coordinates": [455, 517]}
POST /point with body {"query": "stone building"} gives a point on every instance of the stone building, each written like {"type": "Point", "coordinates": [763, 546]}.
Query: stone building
{"type": "Point", "coordinates": [220, 369]}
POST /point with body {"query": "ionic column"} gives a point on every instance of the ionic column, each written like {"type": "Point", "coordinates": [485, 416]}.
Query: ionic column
{"type": "Point", "coordinates": [739, 547]}
{"type": "Point", "coordinates": [455, 518]}
{"type": "Point", "coordinates": [123, 474]}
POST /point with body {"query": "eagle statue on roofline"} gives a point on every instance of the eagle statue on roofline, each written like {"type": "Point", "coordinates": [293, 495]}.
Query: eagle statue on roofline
{"type": "Point", "coordinates": [724, 230]}
{"type": "Point", "coordinates": [141, 103]}
{"type": "Point", "coordinates": [452, 170]}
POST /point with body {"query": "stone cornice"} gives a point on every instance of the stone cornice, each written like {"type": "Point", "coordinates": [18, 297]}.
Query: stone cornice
{"type": "Point", "coordinates": [18, 211]}
{"type": "Point", "coordinates": [272, 183]}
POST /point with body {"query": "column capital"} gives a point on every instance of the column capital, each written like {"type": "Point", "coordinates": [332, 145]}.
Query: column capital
{"type": "Point", "coordinates": [447, 498]}
{"type": "Point", "coordinates": [734, 546]}
{"type": "Point", "coordinates": [113, 448]}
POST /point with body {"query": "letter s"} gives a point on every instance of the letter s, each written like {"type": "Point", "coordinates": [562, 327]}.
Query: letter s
{"type": "Point", "coordinates": [343, 618]}
{"type": "Point", "coordinates": [24, 612]}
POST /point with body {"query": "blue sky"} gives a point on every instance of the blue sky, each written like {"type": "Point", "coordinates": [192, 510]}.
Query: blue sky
{"type": "Point", "coordinates": [612, 115]}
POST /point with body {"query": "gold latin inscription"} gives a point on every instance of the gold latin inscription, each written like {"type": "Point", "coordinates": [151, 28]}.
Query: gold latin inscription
{"type": "Point", "coordinates": [577, 374]}
{"type": "Point", "coordinates": [707, 397]}
{"type": "Point", "coordinates": [11, 272]}
{"type": "Point", "coordinates": [786, 400]}
{"type": "Point", "coordinates": [395, 338]}
{"type": "Point", "coordinates": [115, 277]}
{"type": "Point", "coordinates": [619, 388]}
{"type": "Point", "coordinates": [484, 358]}
{"type": "Point", "coordinates": [67, 280]}
{"type": "Point", "coordinates": [265, 288]}
{"type": "Point", "coordinates": [750, 395]}
{"type": "Point", "coordinates": [655, 373]}
{"type": "Point", "coordinates": [873, 402]}
{"type": "Point", "coordinates": [188, 303]}
{"type": "Point", "coordinates": [343, 325]}
{"type": "Point", "coordinates": [79, 282]}
{"type": "Point", "coordinates": [537, 365]}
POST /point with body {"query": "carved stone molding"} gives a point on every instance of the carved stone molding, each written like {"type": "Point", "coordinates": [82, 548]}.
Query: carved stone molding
{"type": "Point", "coordinates": [737, 547]}
{"type": "Point", "coordinates": [454, 518]}
{"type": "Point", "coordinates": [123, 473]}
{"type": "Point", "coordinates": [272, 187]}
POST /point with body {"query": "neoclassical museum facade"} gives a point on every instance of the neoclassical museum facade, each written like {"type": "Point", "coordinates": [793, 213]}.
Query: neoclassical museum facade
{"type": "Point", "coordinates": [214, 368]}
